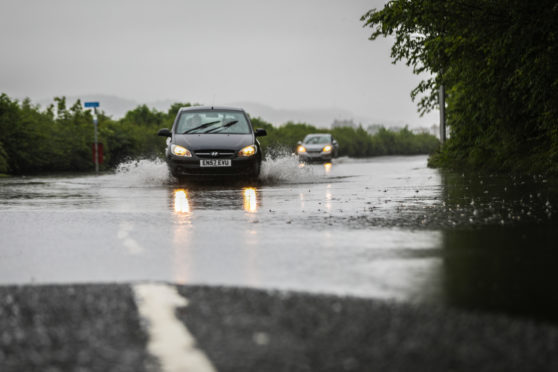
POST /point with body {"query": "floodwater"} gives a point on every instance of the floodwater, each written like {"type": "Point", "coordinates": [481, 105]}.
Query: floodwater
{"type": "Point", "coordinates": [387, 228]}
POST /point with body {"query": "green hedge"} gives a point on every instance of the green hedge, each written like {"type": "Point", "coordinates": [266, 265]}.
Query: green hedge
{"type": "Point", "coordinates": [59, 138]}
{"type": "Point", "coordinates": [352, 142]}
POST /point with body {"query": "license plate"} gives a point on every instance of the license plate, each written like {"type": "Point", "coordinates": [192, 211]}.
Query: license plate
{"type": "Point", "coordinates": [215, 163]}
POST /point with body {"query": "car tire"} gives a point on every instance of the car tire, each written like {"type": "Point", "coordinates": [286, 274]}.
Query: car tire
{"type": "Point", "coordinates": [255, 173]}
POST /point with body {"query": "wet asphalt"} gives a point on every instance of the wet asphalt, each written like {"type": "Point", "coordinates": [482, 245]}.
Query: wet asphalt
{"type": "Point", "coordinates": [97, 328]}
{"type": "Point", "coordinates": [370, 265]}
{"type": "Point", "coordinates": [70, 328]}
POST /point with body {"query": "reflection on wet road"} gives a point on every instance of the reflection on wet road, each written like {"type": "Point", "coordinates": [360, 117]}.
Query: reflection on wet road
{"type": "Point", "coordinates": [181, 204]}
{"type": "Point", "coordinates": [250, 200]}
{"type": "Point", "coordinates": [385, 228]}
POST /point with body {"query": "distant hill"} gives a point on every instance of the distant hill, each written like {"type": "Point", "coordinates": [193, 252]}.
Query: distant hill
{"type": "Point", "coordinates": [317, 117]}
{"type": "Point", "coordinates": [116, 107]}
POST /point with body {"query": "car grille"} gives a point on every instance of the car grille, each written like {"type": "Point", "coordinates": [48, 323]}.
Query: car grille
{"type": "Point", "coordinates": [215, 154]}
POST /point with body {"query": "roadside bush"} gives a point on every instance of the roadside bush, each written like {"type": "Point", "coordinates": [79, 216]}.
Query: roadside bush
{"type": "Point", "coordinates": [60, 138]}
{"type": "Point", "coordinates": [352, 142]}
{"type": "Point", "coordinates": [3, 160]}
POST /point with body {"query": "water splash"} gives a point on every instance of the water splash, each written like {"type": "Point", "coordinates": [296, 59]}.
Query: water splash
{"type": "Point", "coordinates": [283, 169]}
{"type": "Point", "coordinates": [286, 169]}
{"type": "Point", "coordinates": [142, 172]}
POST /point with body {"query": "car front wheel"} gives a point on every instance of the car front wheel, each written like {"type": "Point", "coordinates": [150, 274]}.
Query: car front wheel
{"type": "Point", "coordinates": [256, 169]}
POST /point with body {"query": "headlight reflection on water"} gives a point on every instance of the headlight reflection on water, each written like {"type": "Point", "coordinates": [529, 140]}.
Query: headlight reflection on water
{"type": "Point", "coordinates": [181, 201]}
{"type": "Point", "coordinates": [250, 199]}
{"type": "Point", "coordinates": [327, 167]}
{"type": "Point", "coordinates": [181, 204]}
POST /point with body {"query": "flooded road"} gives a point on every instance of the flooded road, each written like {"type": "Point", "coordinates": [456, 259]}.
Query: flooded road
{"type": "Point", "coordinates": [387, 228]}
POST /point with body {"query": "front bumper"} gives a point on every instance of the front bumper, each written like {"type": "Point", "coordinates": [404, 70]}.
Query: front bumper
{"type": "Point", "coordinates": [315, 156]}
{"type": "Point", "coordinates": [180, 167]}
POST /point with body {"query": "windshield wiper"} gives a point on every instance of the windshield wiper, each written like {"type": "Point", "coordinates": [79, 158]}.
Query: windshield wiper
{"type": "Point", "coordinates": [229, 124]}
{"type": "Point", "coordinates": [201, 126]}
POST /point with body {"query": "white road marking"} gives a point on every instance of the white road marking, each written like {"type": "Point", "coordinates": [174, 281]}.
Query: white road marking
{"type": "Point", "coordinates": [169, 339]}
{"type": "Point", "coordinates": [123, 234]}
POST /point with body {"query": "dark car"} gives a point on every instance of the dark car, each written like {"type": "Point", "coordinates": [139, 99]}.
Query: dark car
{"type": "Point", "coordinates": [317, 147]}
{"type": "Point", "coordinates": [213, 141]}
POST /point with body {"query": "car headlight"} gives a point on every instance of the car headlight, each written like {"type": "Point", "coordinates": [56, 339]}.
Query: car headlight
{"type": "Point", "coordinates": [300, 149]}
{"type": "Point", "coordinates": [180, 151]}
{"type": "Point", "coordinates": [327, 148]}
{"type": "Point", "coordinates": [247, 151]}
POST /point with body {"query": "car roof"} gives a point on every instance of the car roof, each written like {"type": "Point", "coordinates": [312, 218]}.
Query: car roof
{"type": "Point", "coordinates": [318, 134]}
{"type": "Point", "coordinates": [210, 108]}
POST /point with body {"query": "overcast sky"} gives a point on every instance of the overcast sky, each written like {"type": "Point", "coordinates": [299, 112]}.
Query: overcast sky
{"type": "Point", "coordinates": [288, 54]}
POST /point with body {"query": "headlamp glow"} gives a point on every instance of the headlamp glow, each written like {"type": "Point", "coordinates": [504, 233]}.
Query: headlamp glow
{"type": "Point", "coordinates": [247, 151]}
{"type": "Point", "coordinates": [180, 151]}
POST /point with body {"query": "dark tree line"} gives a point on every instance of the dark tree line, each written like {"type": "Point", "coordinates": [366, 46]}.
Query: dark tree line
{"type": "Point", "coordinates": [498, 62]}
{"type": "Point", "coordinates": [353, 142]}
{"type": "Point", "coordinates": [59, 138]}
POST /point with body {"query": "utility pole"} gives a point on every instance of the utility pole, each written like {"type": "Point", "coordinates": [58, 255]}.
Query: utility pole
{"type": "Point", "coordinates": [94, 105]}
{"type": "Point", "coordinates": [95, 124]}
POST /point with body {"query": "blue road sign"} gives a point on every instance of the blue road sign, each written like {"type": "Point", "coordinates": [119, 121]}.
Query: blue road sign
{"type": "Point", "coordinates": [91, 104]}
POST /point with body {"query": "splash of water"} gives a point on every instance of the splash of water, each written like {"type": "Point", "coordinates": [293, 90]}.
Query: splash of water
{"type": "Point", "coordinates": [142, 172]}
{"type": "Point", "coordinates": [287, 169]}
{"type": "Point", "coordinates": [283, 169]}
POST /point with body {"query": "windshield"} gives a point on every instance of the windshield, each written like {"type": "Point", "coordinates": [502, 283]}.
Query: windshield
{"type": "Point", "coordinates": [315, 140]}
{"type": "Point", "coordinates": [214, 121]}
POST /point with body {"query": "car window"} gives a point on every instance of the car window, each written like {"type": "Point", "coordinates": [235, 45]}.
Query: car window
{"type": "Point", "coordinates": [314, 140]}
{"type": "Point", "coordinates": [211, 122]}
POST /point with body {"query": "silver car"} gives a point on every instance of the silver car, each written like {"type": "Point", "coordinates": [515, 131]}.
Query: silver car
{"type": "Point", "coordinates": [320, 147]}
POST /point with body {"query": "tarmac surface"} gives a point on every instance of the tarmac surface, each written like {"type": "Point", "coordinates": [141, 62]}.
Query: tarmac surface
{"type": "Point", "coordinates": [97, 328]}
{"type": "Point", "coordinates": [360, 265]}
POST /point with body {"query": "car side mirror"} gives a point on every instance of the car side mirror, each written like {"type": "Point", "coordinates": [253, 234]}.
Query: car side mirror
{"type": "Point", "coordinates": [164, 133]}
{"type": "Point", "coordinates": [260, 132]}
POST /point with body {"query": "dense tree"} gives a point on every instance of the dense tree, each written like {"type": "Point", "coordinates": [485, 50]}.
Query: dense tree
{"type": "Point", "coordinates": [60, 138]}
{"type": "Point", "coordinates": [173, 110]}
{"type": "Point", "coordinates": [3, 160]}
{"type": "Point", "coordinates": [497, 60]}
{"type": "Point", "coordinates": [352, 142]}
